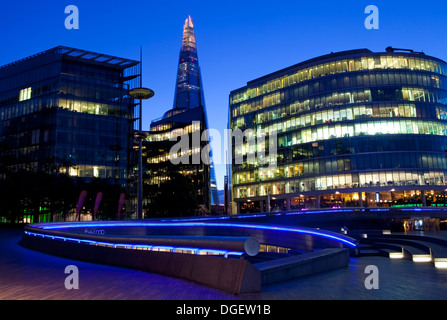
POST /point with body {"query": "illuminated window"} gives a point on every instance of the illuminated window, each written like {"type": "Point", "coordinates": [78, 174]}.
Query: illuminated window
{"type": "Point", "coordinates": [25, 94]}
{"type": "Point", "coordinates": [95, 172]}
{"type": "Point", "coordinates": [73, 172]}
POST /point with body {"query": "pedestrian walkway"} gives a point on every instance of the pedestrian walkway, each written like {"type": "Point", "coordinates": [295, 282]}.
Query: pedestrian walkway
{"type": "Point", "coordinates": [27, 274]}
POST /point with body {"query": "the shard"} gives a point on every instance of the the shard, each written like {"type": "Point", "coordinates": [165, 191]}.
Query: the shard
{"type": "Point", "coordinates": [189, 87]}
{"type": "Point", "coordinates": [188, 114]}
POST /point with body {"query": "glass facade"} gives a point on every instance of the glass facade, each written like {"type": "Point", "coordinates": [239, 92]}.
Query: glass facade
{"type": "Point", "coordinates": [352, 125]}
{"type": "Point", "coordinates": [188, 90]}
{"type": "Point", "coordinates": [172, 154]}
{"type": "Point", "coordinates": [187, 118]}
{"type": "Point", "coordinates": [68, 110]}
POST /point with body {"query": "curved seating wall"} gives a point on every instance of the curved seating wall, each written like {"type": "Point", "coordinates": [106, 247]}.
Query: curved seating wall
{"type": "Point", "coordinates": [299, 238]}
{"type": "Point", "coordinates": [109, 243]}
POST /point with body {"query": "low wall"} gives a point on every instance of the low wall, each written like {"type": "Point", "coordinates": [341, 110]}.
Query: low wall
{"type": "Point", "coordinates": [230, 275]}
{"type": "Point", "coordinates": [300, 238]}
{"type": "Point", "coordinates": [302, 265]}
{"type": "Point", "coordinates": [122, 244]}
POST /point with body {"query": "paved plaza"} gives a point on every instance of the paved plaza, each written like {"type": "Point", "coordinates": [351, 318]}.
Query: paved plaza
{"type": "Point", "coordinates": [31, 275]}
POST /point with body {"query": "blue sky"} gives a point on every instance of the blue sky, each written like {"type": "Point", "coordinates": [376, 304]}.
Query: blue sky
{"type": "Point", "coordinates": [237, 41]}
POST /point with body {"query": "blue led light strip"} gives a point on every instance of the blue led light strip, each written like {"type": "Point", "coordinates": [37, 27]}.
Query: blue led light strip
{"type": "Point", "coordinates": [197, 251]}
{"type": "Point", "coordinates": [340, 238]}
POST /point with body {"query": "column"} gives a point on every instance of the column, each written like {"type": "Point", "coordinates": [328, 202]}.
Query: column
{"type": "Point", "coordinates": [287, 204]}
{"type": "Point", "coordinates": [360, 200]}
{"type": "Point", "coordinates": [267, 204]}
{"type": "Point", "coordinates": [261, 205]}
{"type": "Point", "coordinates": [424, 199]}
{"type": "Point", "coordinates": [318, 201]}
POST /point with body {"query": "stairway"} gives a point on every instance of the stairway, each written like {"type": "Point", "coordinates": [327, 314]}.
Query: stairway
{"type": "Point", "coordinates": [418, 247]}
{"type": "Point", "coordinates": [366, 249]}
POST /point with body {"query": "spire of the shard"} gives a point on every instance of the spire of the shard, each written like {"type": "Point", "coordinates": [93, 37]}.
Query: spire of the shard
{"type": "Point", "coordinates": [189, 39]}
{"type": "Point", "coordinates": [189, 89]}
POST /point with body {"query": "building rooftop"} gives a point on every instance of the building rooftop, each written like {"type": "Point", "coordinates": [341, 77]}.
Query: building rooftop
{"type": "Point", "coordinates": [82, 55]}
{"type": "Point", "coordinates": [331, 56]}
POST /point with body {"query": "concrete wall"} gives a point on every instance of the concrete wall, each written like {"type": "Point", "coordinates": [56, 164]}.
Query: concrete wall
{"type": "Point", "coordinates": [230, 275]}
{"type": "Point", "coordinates": [302, 265]}
{"type": "Point", "coordinates": [302, 239]}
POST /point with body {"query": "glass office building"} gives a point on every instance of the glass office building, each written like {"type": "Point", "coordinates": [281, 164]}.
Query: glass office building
{"type": "Point", "coordinates": [354, 128]}
{"type": "Point", "coordinates": [68, 110]}
{"type": "Point", "coordinates": [172, 152]}
{"type": "Point", "coordinates": [189, 88]}
{"type": "Point", "coordinates": [187, 118]}
{"type": "Point", "coordinates": [189, 91]}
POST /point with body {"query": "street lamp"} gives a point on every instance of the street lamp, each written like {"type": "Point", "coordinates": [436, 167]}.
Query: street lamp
{"type": "Point", "coordinates": [140, 94]}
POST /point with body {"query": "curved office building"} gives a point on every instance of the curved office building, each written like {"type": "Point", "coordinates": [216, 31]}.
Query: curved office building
{"type": "Point", "coordinates": [353, 129]}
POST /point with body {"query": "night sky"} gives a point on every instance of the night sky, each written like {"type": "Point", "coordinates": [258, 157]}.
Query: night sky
{"type": "Point", "coordinates": [237, 41]}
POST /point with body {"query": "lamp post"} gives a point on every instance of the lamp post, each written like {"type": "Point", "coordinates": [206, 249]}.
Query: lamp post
{"type": "Point", "coordinates": [140, 94]}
